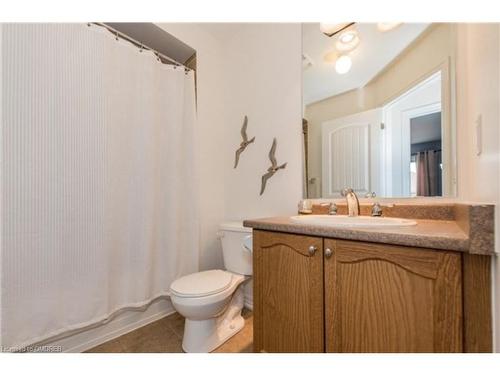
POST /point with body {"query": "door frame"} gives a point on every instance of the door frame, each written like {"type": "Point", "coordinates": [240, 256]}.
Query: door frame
{"type": "Point", "coordinates": [408, 115]}
{"type": "Point", "coordinates": [448, 128]}
{"type": "Point", "coordinates": [440, 73]}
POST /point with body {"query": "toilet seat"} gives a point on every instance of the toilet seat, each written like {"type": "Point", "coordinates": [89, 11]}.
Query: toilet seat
{"type": "Point", "coordinates": [211, 301]}
{"type": "Point", "coordinates": [202, 284]}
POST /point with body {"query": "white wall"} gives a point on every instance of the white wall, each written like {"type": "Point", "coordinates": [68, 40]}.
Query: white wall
{"type": "Point", "coordinates": [478, 82]}
{"type": "Point", "coordinates": [263, 81]}
{"type": "Point", "coordinates": [253, 70]}
{"type": "Point", "coordinates": [477, 94]}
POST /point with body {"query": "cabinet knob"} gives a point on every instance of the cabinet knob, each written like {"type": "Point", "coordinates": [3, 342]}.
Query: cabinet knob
{"type": "Point", "coordinates": [328, 253]}
{"type": "Point", "coordinates": [312, 249]}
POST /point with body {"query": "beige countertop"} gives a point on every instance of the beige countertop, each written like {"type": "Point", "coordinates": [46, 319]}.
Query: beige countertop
{"type": "Point", "coordinates": [433, 234]}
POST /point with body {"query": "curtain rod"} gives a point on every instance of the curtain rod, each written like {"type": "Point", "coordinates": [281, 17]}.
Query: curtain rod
{"type": "Point", "coordinates": [141, 45]}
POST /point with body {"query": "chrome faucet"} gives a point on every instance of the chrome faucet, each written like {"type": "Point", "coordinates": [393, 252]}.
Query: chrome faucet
{"type": "Point", "coordinates": [352, 201]}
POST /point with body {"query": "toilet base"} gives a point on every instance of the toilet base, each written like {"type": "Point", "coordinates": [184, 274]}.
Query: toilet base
{"type": "Point", "coordinates": [204, 336]}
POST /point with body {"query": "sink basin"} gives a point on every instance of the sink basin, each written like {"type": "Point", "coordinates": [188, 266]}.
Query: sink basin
{"type": "Point", "coordinates": [344, 221]}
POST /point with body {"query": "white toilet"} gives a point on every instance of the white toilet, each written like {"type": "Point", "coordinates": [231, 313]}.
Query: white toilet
{"type": "Point", "coordinates": [211, 301]}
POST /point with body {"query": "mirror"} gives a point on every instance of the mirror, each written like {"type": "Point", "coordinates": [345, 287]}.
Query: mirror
{"type": "Point", "coordinates": [378, 109]}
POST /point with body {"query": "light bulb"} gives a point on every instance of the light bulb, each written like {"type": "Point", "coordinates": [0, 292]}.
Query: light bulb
{"type": "Point", "coordinates": [343, 64]}
{"type": "Point", "coordinates": [347, 41]}
{"type": "Point", "coordinates": [347, 37]}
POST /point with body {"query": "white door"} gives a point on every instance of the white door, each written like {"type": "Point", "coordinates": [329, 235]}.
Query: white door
{"type": "Point", "coordinates": [351, 154]}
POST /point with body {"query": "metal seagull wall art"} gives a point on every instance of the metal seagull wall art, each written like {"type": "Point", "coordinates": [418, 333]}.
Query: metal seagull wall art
{"type": "Point", "coordinates": [244, 143]}
{"type": "Point", "coordinates": [273, 168]}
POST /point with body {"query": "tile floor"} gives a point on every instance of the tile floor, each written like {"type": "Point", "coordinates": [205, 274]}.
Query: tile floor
{"type": "Point", "coordinates": [165, 336]}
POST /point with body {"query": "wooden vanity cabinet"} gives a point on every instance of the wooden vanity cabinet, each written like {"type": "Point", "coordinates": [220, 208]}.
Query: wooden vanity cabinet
{"type": "Point", "coordinates": [288, 293]}
{"type": "Point", "coordinates": [382, 298]}
{"type": "Point", "coordinates": [314, 294]}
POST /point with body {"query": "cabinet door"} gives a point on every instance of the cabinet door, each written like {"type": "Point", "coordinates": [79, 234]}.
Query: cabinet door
{"type": "Point", "coordinates": [288, 293]}
{"type": "Point", "coordinates": [383, 298]}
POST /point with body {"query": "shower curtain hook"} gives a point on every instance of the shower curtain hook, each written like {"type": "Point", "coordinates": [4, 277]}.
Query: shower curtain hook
{"type": "Point", "coordinates": [116, 36]}
{"type": "Point", "coordinates": [141, 48]}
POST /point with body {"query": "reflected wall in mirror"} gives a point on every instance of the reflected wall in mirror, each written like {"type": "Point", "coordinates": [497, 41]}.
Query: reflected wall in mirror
{"type": "Point", "coordinates": [379, 110]}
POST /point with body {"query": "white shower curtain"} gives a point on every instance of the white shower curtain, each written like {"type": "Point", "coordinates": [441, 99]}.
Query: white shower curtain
{"type": "Point", "coordinates": [99, 200]}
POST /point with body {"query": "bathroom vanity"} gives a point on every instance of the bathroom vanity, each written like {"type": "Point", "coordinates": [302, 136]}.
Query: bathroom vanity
{"type": "Point", "coordinates": [420, 288]}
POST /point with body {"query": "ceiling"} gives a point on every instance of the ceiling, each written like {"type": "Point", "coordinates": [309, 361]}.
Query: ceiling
{"type": "Point", "coordinates": [222, 30]}
{"type": "Point", "coordinates": [426, 128]}
{"type": "Point", "coordinates": [375, 51]}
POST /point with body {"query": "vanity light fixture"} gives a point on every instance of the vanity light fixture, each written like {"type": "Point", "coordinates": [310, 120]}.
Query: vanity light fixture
{"type": "Point", "coordinates": [343, 64]}
{"type": "Point", "coordinates": [331, 29]}
{"type": "Point", "coordinates": [387, 26]}
{"type": "Point", "coordinates": [347, 41]}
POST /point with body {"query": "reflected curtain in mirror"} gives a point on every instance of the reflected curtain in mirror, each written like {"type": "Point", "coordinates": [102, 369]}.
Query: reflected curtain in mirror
{"type": "Point", "coordinates": [429, 173]}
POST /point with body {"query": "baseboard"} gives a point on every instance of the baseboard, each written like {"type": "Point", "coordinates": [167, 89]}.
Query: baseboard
{"type": "Point", "coordinates": [122, 324]}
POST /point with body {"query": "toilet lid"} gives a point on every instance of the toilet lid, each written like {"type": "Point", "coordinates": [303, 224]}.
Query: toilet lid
{"type": "Point", "coordinates": [202, 283]}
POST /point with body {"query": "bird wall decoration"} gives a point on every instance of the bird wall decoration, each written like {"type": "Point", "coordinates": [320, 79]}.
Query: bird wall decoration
{"type": "Point", "coordinates": [244, 143]}
{"type": "Point", "coordinates": [273, 168]}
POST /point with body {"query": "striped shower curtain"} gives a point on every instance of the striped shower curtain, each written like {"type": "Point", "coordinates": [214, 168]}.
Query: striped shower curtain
{"type": "Point", "coordinates": [98, 182]}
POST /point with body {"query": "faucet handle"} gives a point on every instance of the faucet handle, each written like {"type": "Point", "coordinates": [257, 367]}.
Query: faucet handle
{"type": "Point", "coordinates": [305, 206]}
{"type": "Point", "coordinates": [332, 207]}
{"type": "Point", "coordinates": [376, 209]}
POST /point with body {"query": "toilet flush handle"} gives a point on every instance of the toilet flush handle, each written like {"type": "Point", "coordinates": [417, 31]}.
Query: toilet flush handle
{"type": "Point", "coordinates": [248, 243]}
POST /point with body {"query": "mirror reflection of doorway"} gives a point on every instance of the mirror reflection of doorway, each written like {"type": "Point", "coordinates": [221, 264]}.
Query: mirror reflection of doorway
{"type": "Point", "coordinates": [426, 159]}
{"type": "Point", "coordinates": [393, 150]}
{"type": "Point", "coordinates": [414, 129]}
{"type": "Point", "coordinates": [347, 146]}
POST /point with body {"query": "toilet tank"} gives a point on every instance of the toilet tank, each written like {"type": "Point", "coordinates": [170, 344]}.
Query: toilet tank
{"type": "Point", "coordinates": [237, 258]}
